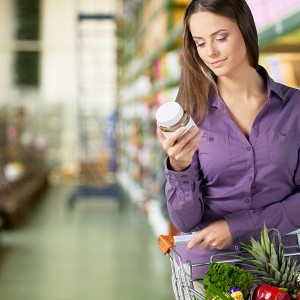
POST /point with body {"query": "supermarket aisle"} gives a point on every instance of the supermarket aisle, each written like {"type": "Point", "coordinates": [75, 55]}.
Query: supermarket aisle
{"type": "Point", "coordinates": [93, 252]}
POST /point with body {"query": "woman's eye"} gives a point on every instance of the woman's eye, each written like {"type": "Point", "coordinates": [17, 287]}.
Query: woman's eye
{"type": "Point", "coordinates": [221, 39]}
{"type": "Point", "coordinates": [200, 44]}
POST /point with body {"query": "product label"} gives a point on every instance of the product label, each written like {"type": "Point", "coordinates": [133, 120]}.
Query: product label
{"type": "Point", "coordinates": [188, 126]}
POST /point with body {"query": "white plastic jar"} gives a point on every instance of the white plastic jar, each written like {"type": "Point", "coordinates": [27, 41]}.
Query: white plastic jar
{"type": "Point", "coordinates": [171, 116]}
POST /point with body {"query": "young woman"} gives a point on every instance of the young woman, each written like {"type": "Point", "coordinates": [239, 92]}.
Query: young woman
{"type": "Point", "coordinates": [240, 168]}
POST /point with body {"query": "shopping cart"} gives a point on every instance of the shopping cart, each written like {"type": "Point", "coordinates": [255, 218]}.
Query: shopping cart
{"type": "Point", "coordinates": [186, 288]}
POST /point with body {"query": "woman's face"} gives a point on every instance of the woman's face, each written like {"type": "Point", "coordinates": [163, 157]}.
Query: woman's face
{"type": "Point", "coordinates": [219, 42]}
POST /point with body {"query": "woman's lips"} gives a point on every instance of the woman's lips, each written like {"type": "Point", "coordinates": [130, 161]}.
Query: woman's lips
{"type": "Point", "coordinates": [218, 63]}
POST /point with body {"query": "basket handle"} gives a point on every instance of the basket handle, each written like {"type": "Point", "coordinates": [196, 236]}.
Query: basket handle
{"type": "Point", "coordinates": [165, 243]}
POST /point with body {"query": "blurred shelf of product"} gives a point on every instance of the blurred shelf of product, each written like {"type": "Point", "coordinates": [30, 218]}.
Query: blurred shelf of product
{"type": "Point", "coordinates": [282, 56]}
{"type": "Point", "coordinates": [279, 38]}
{"type": "Point", "coordinates": [283, 67]}
{"type": "Point", "coordinates": [149, 56]}
{"type": "Point", "coordinates": [149, 71]}
{"type": "Point", "coordinates": [23, 172]}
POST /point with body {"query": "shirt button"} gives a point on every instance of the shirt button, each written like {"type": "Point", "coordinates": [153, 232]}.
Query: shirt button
{"type": "Point", "coordinates": [210, 138]}
{"type": "Point", "coordinates": [250, 178]}
{"type": "Point", "coordinates": [236, 247]}
{"type": "Point", "coordinates": [283, 133]}
{"type": "Point", "coordinates": [249, 148]}
{"type": "Point", "coordinates": [247, 200]}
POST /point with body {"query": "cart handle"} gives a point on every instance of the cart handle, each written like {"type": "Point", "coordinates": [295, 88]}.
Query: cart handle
{"type": "Point", "coordinates": [165, 243]}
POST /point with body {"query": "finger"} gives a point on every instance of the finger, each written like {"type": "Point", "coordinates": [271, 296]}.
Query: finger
{"type": "Point", "coordinates": [189, 135]}
{"type": "Point", "coordinates": [183, 151]}
{"type": "Point", "coordinates": [192, 243]}
{"type": "Point", "coordinates": [160, 135]}
{"type": "Point", "coordinates": [197, 130]}
{"type": "Point", "coordinates": [173, 138]}
{"type": "Point", "coordinates": [186, 139]}
{"type": "Point", "coordinates": [202, 246]}
{"type": "Point", "coordinates": [212, 246]}
{"type": "Point", "coordinates": [190, 148]}
{"type": "Point", "coordinates": [193, 143]}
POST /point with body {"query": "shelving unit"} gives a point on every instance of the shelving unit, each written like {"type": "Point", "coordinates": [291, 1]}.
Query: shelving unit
{"type": "Point", "coordinates": [23, 172]}
{"type": "Point", "coordinates": [149, 70]}
{"type": "Point", "coordinates": [149, 74]}
{"type": "Point", "coordinates": [279, 38]}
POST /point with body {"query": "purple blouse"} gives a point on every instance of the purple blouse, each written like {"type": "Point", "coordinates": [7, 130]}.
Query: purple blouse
{"type": "Point", "coordinates": [247, 182]}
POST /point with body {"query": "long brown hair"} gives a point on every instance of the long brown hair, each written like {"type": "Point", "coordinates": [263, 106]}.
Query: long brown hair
{"type": "Point", "coordinates": [197, 80]}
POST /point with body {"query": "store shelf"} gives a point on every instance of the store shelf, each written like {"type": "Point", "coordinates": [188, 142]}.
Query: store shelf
{"type": "Point", "coordinates": [141, 33]}
{"type": "Point", "coordinates": [23, 170]}
{"type": "Point", "coordinates": [149, 76]}
{"type": "Point", "coordinates": [280, 27]}
{"type": "Point", "coordinates": [136, 68]}
{"type": "Point", "coordinates": [17, 199]}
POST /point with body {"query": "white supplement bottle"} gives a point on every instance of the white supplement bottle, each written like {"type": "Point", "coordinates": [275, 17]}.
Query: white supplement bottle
{"type": "Point", "coordinates": [171, 116]}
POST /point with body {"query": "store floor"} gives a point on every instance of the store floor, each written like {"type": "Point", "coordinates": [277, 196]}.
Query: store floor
{"type": "Point", "coordinates": [94, 252]}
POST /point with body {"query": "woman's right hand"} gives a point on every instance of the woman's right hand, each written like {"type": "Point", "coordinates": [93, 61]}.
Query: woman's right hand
{"type": "Point", "coordinates": [180, 152]}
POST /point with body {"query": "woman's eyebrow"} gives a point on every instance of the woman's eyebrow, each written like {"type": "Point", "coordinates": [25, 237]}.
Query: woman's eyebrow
{"type": "Point", "coordinates": [214, 33]}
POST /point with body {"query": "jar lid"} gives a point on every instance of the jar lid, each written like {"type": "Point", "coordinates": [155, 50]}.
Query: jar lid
{"type": "Point", "coordinates": [169, 114]}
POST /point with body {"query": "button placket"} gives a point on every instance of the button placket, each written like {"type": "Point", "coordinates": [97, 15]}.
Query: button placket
{"type": "Point", "coordinates": [247, 200]}
{"type": "Point", "coordinates": [186, 184]}
{"type": "Point", "coordinates": [250, 172]}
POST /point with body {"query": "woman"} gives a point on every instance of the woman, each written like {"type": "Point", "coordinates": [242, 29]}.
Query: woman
{"type": "Point", "coordinates": [241, 167]}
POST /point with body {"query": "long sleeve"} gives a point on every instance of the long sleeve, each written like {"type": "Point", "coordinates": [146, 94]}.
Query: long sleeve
{"type": "Point", "coordinates": [283, 215]}
{"type": "Point", "coordinates": [184, 201]}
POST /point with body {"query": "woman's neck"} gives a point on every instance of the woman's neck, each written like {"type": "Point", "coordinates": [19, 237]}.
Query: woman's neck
{"type": "Point", "coordinates": [246, 86]}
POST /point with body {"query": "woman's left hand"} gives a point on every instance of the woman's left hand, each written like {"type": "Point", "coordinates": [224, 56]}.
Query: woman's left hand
{"type": "Point", "coordinates": [215, 236]}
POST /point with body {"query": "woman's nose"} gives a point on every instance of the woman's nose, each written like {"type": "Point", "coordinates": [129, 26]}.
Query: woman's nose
{"type": "Point", "coordinates": [212, 51]}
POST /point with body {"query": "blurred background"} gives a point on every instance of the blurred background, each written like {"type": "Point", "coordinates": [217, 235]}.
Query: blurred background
{"type": "Point", "coordinates": [81, 172]}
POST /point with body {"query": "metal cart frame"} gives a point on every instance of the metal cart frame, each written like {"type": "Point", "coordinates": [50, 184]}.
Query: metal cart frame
{"type": "Point", "coordinates": [183, 284]}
